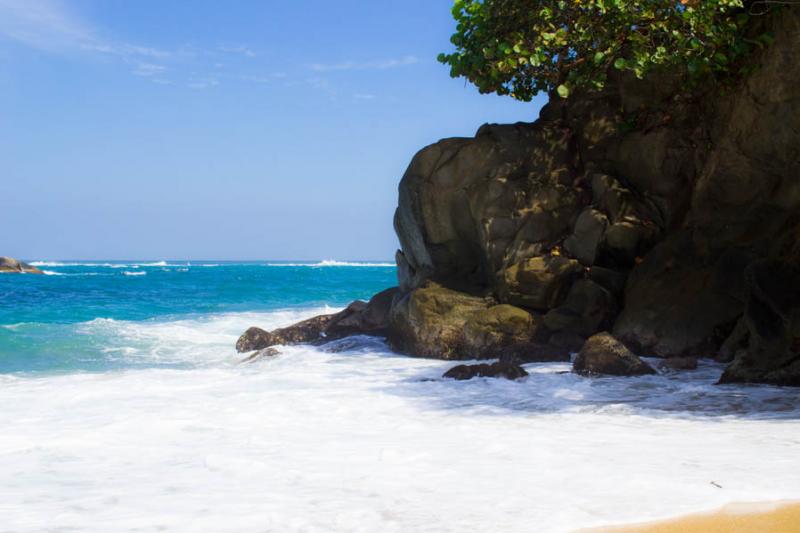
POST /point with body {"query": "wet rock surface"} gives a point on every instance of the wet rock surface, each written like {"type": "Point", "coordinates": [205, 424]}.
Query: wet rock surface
{"type": "Point", "coordinates": [358, 318]}
{"type": "Point", "coordinates": [507, 368]}
{"type": "Point", "coordinates": [602, 354]}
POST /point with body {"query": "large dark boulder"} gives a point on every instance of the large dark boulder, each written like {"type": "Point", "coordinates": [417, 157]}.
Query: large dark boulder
{"type": "Point", "coordinates": [603, 354]}
{"type": "Point", "coordinates": [470, 206]}
{"type": "Point", "coordinates": [14, 266]}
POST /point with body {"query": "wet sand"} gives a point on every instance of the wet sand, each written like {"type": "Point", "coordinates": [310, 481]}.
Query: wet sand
{"type": "Point", "coordinates": [774, 517]}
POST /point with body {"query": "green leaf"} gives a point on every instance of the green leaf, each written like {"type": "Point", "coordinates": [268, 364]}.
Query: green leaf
{"type": "Point", "coordinates": [563, 91]}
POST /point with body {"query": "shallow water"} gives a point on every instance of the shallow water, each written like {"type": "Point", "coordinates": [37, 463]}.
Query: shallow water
{"type": "Point", "coordinates": [146, 422]}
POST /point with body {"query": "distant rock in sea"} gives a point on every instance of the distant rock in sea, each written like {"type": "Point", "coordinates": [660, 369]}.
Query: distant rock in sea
{"type": "Point", "coordinates": [11, 265]}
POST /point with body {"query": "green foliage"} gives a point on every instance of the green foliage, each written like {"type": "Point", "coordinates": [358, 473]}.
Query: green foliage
{"type": "Point", "coordinates": [523, 47]}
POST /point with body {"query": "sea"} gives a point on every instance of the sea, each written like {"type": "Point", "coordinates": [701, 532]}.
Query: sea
{"type": "Point", "coordinates": [125, 407]}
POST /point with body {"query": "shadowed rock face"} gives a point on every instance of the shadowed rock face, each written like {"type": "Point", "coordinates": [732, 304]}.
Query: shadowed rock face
{"type": "Point", "coordinates": [11, 265]}
{"type": "Point", "coordinates": [772, 322]}
{"type": "Point", "coordinates": [638, 209]}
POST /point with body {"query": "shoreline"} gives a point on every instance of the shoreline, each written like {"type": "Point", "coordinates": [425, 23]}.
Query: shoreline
{"type": "Point", "coordinates": [781, 516]}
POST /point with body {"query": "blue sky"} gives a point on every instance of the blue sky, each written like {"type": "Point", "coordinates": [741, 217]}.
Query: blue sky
{"type": "Point", "coordinates": [222, 130]}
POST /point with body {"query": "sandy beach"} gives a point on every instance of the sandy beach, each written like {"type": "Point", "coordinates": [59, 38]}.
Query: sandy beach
{"type": "Point", "coordinates": [770, 517]}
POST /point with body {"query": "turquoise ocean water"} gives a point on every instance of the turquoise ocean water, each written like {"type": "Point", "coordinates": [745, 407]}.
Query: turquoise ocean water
{"type": "Point", "coordinates": [125, 407]}
{"type": "Point", "coordinates": [72, 318]}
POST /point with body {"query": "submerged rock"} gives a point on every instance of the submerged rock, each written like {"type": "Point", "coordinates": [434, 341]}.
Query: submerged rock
{"type": "Point", "coordinates": [603, 354]}
{"type": "Point", "coordinates": [11, 265]}
{"type": "Point", "coordinates": [507, 368]}
{"type": "Point", "coordinates": [260, 354]}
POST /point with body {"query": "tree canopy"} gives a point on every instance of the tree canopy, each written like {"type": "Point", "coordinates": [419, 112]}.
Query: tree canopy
{"type": "Point", "coordinates": [523, 47]}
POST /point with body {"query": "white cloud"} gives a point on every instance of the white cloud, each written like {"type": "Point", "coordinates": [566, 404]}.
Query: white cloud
{"type": "Point", "coordinates": [202, 83]}
{"type": "Point", "coordinates": [239, 49]}
{"type": "Point", "coordinates": [49, 26]}
{"type": "Point", "coordinates": [364, 96]}
{"type": "Point", "coordinates": [365, 65]}
{"type": "Point", "coordinates": [149, 69]}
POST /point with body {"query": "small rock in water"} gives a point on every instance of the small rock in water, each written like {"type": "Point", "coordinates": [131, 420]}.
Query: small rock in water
{"type": "Point", "coordinates": [603, 354]}
{"type": "Point", "coordinates": [505, 368]}
{"type": "Point", "coordinates": [260, 354]}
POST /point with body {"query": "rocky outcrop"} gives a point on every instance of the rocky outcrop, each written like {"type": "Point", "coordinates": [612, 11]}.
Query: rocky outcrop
{"type": "Point", "coordinates": [11, 265]}
{"type": "Point", "coordinates": [661, 211]}
{"type": "Point", "coordinates": [507, 368]}
{"type": "Point", "coordinates": [638, 209]}
{"type": "Point", "coordinates": [602, 354]}
{"type": "Point", "coordinates": [358, 318]}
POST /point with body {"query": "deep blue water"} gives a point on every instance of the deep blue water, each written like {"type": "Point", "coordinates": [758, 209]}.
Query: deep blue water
{"type": "Point", "coordinates": [86, 316]}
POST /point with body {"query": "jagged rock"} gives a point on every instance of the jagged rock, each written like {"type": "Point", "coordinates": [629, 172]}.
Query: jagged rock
{"type": "Point", "coordinates": [260, 354]}
{"type": "Point", "coordinates": [603, 354]}
{"type": "Point", "coordinates": [539, 282]}
{"type": "Point", "coordinates": [370, 318]}
{"type": "Point", "coordinates": [505, 368]}
{"type": "Point", "coordinates": [772, 319]}
{"type": "Point", "coordinates": [433, 321]}
{"type": "Point", "coordinates": [11, 265]}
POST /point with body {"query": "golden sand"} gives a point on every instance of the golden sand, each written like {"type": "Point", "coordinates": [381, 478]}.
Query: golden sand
{"type": "Point", "coordinates": [777, 517]}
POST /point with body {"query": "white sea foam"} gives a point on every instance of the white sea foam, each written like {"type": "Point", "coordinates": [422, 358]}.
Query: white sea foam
{"type": "Point", "coordinates": [362, 440]}
{"type": "Point", "coordinates": [105, 265]}
{"type": "Point", "coordinates": [52, 273]}
{"type": "Point", "coordinates": [136, 273]}
{"type": "Point", "coordinates": [332, 263]}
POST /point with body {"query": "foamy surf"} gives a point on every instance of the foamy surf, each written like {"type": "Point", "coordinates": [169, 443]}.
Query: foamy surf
{"type": "Point", "coordinates": [332, 263]}
{"type": "Point", "coordinates": [364, 440]}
